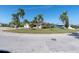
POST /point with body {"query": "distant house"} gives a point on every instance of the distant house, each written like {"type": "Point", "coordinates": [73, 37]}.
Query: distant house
{"type": "Point", "coordinates": [71, 28]}
{"type": "Point", "coordinates": [42, 25]}
{"type": "Point", "coordinates": [26, 26]}
{"type": "Point", "coordinates": [62, 26]}
{"type": "Point", "coordinates": [59, 26]}
{"type": "Point", "coordinates": [0, 24]}
{"type": "Point", "coordinates": [37, 26]}
{"type": "Point", "coordinates": [47, 25]}
{"type": "Point", "coordinates": [75, 26]}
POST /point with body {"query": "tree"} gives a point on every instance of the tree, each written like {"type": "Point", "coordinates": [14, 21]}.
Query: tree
{"type": "Point", "coordinates": [21, 13]}
{"type": "Point", "coordinates": [26, 21]}
{"type": "Point", "coordinates": [64, 18]}
{"type": "Point", "coordinates": [15, 20]}
{"type": "Point", "coordinates": [40, 18]}
{"type": "Point", "coordinates": [16, 17]}
{"type": "Point", "coordinates": [34, 20]}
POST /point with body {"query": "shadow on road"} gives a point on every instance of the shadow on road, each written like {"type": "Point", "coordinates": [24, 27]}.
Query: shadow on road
{"type": "Point", "coordinates": [76, 35]}
{"type": "Point", "coordinates": [4, 51]}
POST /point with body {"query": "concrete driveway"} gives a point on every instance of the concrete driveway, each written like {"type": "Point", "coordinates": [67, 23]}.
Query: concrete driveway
{"type": "Point", "coordinates": [39, 43]}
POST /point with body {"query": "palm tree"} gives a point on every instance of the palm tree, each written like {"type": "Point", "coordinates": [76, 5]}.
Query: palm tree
{"type": "Point", "coordinates": [34, 20]}
{"type": "Point", "coordinates": [16, 17]}
{"type": "Point", "coordinates": [26, 21]}
{"type": "Point", "coordinates": [21, 13]}
{"type": "Point", "coordinates": [15, 20]}
{"type": "Point", "coordinates": [64, 18]}
{"type": "Point", "coordinates": [40, 18]}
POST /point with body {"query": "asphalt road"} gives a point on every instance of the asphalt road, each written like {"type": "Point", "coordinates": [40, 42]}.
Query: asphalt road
{"type": "Point", "coordinates": [39, 43]}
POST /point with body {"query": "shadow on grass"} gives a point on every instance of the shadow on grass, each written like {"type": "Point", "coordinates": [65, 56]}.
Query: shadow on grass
{"type": "Point", "coordinates": [76, 35]}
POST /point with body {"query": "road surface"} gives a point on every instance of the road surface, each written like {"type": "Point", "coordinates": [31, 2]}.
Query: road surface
{"type": "Point", "coordinates": [39, 43]}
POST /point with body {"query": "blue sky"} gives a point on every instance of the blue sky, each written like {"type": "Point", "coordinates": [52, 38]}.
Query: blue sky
{"type": "Point", "coordinates": [50, 13]}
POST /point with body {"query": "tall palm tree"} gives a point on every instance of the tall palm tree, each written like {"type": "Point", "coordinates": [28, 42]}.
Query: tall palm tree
{"type": "Point", "coordinates": [40, 18]}
{"type": "Point", "coordinates": [64, 18]}
{"type": "Point", "coordinates": [15, 20]}
{"type": "Point", "coordinates": [34, 20]}
{"type": "Point", "coordinates": [26, 21]}
{"type": "Point", "coordinates": [21, 13]}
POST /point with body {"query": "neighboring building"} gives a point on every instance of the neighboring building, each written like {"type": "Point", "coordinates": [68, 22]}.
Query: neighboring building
{"type": "Point", "coordinates": [26, 26]}
{"type": "Point", "coordinates": [59, 26]}
{"type": "Point", "coordinates": [42, 25]}
{"type": "Point", "coordinates": [0, 24]}
{"type": "Point", "coordinates": [37, 26]}
{"type": "Point", "coordinates": [62, 26]}
{"type": "Point", "coordinates": [47, 25]}
{"type": "Point", "coordinates": [71, 28]}
{"type": "Point", "coordinates": [75, 26]}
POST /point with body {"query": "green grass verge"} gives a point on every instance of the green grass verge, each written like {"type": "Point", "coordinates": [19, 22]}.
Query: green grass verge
{"type": "Point", "coordinates": [43, 31]}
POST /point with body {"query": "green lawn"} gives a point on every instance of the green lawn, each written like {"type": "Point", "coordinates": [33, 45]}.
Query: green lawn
{"type": "Point", "coordinates": [42, 31]}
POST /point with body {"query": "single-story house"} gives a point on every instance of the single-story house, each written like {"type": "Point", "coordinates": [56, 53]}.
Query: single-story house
{"type": "Point", "coordinates": [26, 26]}
{"type": "Point", "coordinates": [37, 26]}
{"type": "Point", "coordinates": [59, 26]}
{"type": "Point", "coordinates": [0, 24]}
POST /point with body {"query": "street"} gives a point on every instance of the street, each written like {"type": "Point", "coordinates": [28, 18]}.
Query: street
{"type": "Point", "coordinates": [39, 43]}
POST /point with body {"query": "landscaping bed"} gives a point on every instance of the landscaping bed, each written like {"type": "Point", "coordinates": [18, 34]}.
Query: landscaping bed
{"type": "Point", "coordinates": [42, 31]}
